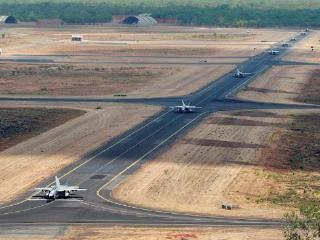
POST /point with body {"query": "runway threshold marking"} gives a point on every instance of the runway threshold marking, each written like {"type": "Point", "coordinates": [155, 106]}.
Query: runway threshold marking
{"type": "Point", "coordinates": [90, 159]}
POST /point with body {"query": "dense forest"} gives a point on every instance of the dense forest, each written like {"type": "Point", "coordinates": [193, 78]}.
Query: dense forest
{"type": "Point", "coordinates": [257, 13]}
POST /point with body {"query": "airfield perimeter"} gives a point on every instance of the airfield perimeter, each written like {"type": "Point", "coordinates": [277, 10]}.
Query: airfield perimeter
{"type": "Point", "coordinates": [104, 169]}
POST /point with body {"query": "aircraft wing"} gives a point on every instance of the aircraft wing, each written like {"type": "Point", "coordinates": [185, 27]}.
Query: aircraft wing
{"type": "Point", "coordinates": [73, 189]}
{"type": "Point", "coordinates": [81, 189]}
{"type": "Point", "coordinates": [176, 107]}
{"type": "Point", "coordinates": [43, 189]}
{"type": "Point", "coordinates": [194, 107]}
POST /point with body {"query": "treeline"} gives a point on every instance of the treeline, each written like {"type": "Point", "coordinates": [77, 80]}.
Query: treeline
{"type": "Point", "coordinates": [222, 15]}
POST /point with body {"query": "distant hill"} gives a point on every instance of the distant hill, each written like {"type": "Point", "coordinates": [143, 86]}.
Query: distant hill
{"type": "Point", "coordinates": [257, 13]}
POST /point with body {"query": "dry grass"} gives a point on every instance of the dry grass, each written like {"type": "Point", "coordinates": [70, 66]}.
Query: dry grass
{"type": "Point", "coordinates": [45, 41]}
{"type": "Point", "coordinates": [240, 158]}
{"type": "Point", "coordinates": [59, 147]}
{"type": "Point", "coordinates": [65, 79]}
{"type": "Point", "coordinates": [201, 172]}
{"type": "Point", "coordinates": [302, 51]}
{"type": "Point", "coordinates": [310, 90]}
{"type": "Point", "coordinates": [143, 233]}
{"type": "Point", "coordinates": [20, 124]}
{"type": "Point", "coordinates": [281, 84]}
{"type": "Point", "coordinates": [96, 64]}
{"type": "Point", "coordinates": [292, 167]}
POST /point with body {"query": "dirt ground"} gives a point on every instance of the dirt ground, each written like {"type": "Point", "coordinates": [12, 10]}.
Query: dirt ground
{"type": "Point", "coordinates": [57, 148]}
{"type": "Point", "coordinates": [106, 80]}
{"type": "Point", "coordinates": [19, 124]}
{"type": "Point", "coordinates": [303, 51]}
{"type": "Point", "coordinates": [211, 166]}
{"type": "Point", "coordinates": [280, 84]}
{"type": "Point", "coordinates": [137, 62]}
{"type": "Point", "coordinates": [290, 83]}
{"type": "Point", "coordinates": [32, 40]}
{"type": "Point", "coordinates": [226, 159]}
{"type": "Point", "coordinates": [142, 233]}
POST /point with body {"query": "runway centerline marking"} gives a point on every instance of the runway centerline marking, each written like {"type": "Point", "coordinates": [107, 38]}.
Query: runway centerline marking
{"type": "Point", "coordinates": [90, 159]}
{"type": "Point", "coordinates": [149, 152]}
{"type": "Point", "coordinates": [114, 159]}
{"type": "Point", "coordinates": [141, 158]}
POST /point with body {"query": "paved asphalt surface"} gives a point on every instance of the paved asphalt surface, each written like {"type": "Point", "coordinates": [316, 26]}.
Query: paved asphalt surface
{"type": "Point", "coordinates": [102, 170]}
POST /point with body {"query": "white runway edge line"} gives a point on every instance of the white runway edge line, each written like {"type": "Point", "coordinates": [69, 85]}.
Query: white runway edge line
{"type": "Point", "coordinates": [90, 159]}
{"type": "Point", "coordinates": [114, 159]}
{"type": "Point", "coordinates": [153, 210]}
{"type": "Point", "coordinates": [110, 209]}
{"type": "Point", "coordinates": [26, 209]}
{"type": "Point", "coordinates": [134, 163]}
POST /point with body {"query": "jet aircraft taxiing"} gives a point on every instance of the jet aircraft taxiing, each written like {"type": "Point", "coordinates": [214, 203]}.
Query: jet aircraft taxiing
{"type": "Point", "coordinates": [58, 190]}
{"type": "Point", "coordinates": [272, 52]}
{"type": "Point", "coordinates": [185, 108]}
{"type": "Point", "coordinates": [239, 74]}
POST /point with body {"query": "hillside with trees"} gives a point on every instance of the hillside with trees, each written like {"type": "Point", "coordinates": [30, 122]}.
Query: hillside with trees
{"type": "Point", "coordinates": [240, 13]}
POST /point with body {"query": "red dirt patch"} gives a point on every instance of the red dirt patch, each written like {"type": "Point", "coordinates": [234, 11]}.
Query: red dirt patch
{"type": "Point", "coordinates": [181, 236]}
{"type": "Point", "coordinates": [219, 143]}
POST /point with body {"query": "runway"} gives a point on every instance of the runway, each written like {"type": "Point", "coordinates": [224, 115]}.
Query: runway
{"type": "Point", "coordinates": [105, 168]}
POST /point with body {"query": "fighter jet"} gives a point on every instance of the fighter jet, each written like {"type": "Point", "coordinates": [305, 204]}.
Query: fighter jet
{"type": "Point", "coordinates": [184, 108]}
{"type": "Point", "coordinates": [240, 74]}
{"type": "Point", "coordinates": [58, 190]}
{"type": "Point", "coordinates": [272, 52]}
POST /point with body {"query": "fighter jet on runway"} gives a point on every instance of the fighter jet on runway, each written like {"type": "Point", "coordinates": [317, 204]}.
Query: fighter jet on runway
{"type": "Point", "coordinates": [272, 52]}
{"type": "Point", "coordinates": [185, 108]}
{"type": "Point", "coordinates": [240, 74]}
{"type": "Point", "coordinates": [58, 190]}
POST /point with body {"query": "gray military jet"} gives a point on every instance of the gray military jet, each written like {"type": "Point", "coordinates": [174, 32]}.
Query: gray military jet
{"type": "Point", "coordinates": [239, 74]}
{"type": "Point", "coordinates": [272, 52]}
{"type": "Point", "coordinates": [58, 190]}
{"type": "Point", "coordinates": [185, 108]}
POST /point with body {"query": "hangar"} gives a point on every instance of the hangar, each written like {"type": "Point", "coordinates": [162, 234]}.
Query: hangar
{"type": "Point", "coordinates": [141, 19]}
{"type": "Point", "coordinates": [8, 20]}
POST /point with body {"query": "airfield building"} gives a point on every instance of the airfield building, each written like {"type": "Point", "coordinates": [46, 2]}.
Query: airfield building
{"type": "Point", "coordinates": [141, 19]}
{"type": "Point", "coordinates": [8, 20]}
{"type": "Point", "coordinates": [76, 38]}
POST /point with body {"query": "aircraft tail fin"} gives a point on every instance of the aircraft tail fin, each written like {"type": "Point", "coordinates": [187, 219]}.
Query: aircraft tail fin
{"type": "Point", "coordinates": [183, 102]}
{"type": "Point", "coordinates": [57, 182]}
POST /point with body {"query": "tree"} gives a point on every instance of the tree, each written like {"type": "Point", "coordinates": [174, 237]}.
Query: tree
{"type": "Point", "coordinates": [305, 225]}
